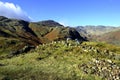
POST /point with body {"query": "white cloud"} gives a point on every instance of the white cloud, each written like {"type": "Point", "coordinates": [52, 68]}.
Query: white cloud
{"type": "Point", "coordinates": [11, 10]}
{"type": "Point", "coordinates": [63, 22]}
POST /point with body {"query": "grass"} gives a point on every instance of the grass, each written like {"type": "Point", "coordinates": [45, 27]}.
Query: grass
{"type": "Point", "coordinates": [8, 45]}
{"type": "Point", "coordinates": [54, 61]}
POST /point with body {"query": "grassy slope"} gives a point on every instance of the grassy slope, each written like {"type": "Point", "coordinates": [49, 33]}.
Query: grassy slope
{"type": "Point", "coordinates": [53, 34]}
{"type": "Point", "coordinates": [57, 61]}
{"type": "Point", "coordinates": [9, 44]}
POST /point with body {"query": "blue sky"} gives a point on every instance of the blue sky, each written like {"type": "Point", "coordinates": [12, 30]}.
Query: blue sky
{"type": "Point", "coordinates": [73, 12]}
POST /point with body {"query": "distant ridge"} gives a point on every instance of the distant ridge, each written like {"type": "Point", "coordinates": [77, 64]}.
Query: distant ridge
{"type": "Point", "coordinates": [111, 37]}
{"type": "Point", "coordinates": [107, 34]}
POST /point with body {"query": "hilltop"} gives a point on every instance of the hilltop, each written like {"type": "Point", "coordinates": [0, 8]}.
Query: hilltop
{"type": "Point", "coordinates": [61, 60]}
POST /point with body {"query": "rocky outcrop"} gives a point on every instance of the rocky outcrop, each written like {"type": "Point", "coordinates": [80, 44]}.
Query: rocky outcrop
{"type": "Point", "coordinates": [106, 69]}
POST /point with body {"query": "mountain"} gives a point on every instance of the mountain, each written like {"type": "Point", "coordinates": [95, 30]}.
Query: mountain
{"type": "Point", "coordinates": [15, 35]}
{"type": "Point", "coordinates": [17, 29]}
{"type": "Point", "coordinates": [107, 34]}
{"type": "Point", "coordinates": [49, 23]}
{"type": "Point", "coordinates": [96, 30]}
{"type": "Point", "coordinates": [54, 31]}
{"type": "Point", "coordinates": [111, 37]}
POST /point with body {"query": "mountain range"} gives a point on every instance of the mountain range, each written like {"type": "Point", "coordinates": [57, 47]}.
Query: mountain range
{"type": "Point", "coordinates": [107, 34]}
{"type": "Point", "coordinates": [15, 35]}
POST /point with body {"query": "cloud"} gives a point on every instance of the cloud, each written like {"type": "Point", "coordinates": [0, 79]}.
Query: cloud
{"type": "Point", "coordinates": [63, 22]}
{"type": "Point", "coordinates": [11, 10]}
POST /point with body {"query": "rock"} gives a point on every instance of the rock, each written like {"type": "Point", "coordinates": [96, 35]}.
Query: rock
{"type": "Point", "coordinates": [103, 68]}
{"type": "Point", "coordinates": [109, 61]}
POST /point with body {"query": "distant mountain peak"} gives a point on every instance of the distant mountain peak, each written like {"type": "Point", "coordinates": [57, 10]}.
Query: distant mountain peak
{"type": "Point", "coordinates": [50, 23]}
